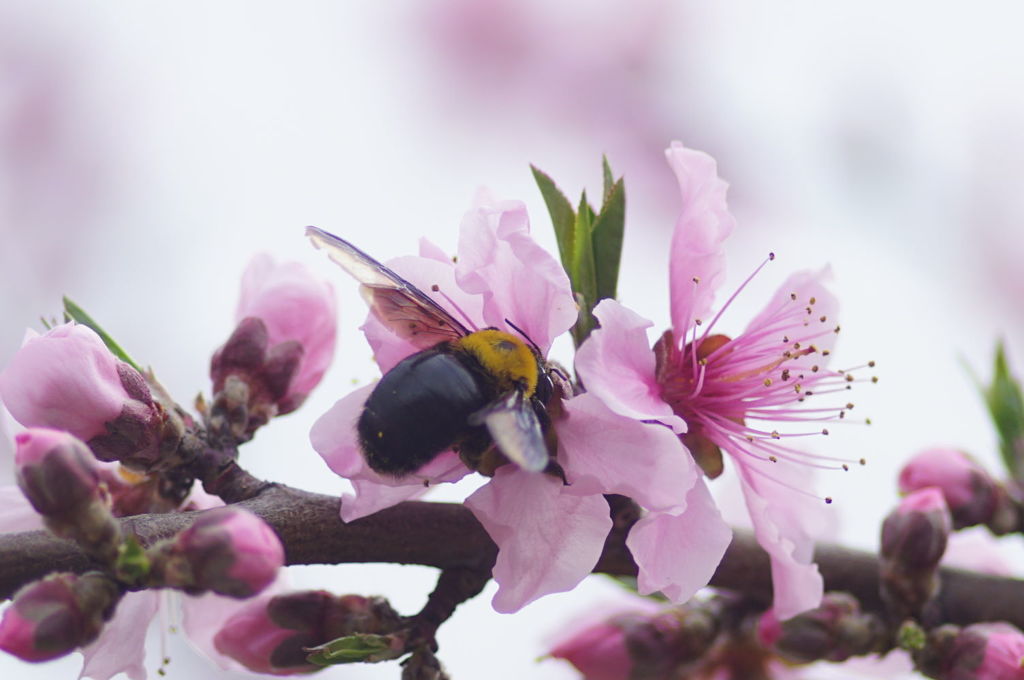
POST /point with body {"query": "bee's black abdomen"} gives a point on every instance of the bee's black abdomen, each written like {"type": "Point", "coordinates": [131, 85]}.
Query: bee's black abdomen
{"type": "Point", "coordinates": [419, 408]}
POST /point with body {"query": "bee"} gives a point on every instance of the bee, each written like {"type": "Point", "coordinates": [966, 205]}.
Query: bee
{"type": "Point", "coordinates": [483, 393]}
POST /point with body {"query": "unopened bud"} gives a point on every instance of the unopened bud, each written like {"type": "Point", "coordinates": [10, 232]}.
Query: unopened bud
{"type": "Point", "coordinates": [835, 631]}
{"type": "Point", "coordinates": [280, 349]}
{"type": "Point", "coordinates": [643, 645]}
{"type": "Point", "coordinates": [971, 494]}
{"type": "Point", "coordinates": [272, 635]}
{"type": "Point", "coordinates": [56, 472]}
{"type": "Point", "coordinates": [67, 379]}
{"type": "Point", "coordinates": [55, 616]}
{"type": "Point", "coordinates": [61, 479]}
{"type": "Point", "coordinates": [983, 651]}
{"type": "Point", "coordinates": [227, 550]}
{"type": "Point", "coordinates": [914, 538]}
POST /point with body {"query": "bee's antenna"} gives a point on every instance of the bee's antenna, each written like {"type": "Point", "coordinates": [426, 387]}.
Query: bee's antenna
{"type": "Point", "coordinates": [527, 337]}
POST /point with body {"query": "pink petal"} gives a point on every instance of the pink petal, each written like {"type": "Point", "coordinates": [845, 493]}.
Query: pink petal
{"type": "Point", "coordinates": [121, 647]}
{"type": "Point", "coordinates": [424, 273]}
{"type": "Point", "coordinates": [548, 540]}
{"type": "Point", "coordinates": [604, 452]}
{"type": "Point", "coordinates": [616, 364]}
{"type": "Point", "coordinates": [16, 513]}
{"type": "Point", "coordinates": [432, 251]}
{"type": "Point", "coordinates": [703, 225]}
{"type": "Point", "coordinates": [805, 285]}
{"type": "Point", "coordinates": [334, 437]}
{"type": "Point", "coordinates": [784, 526]}
{"type": "Point", "coordinates": [519, 280]}
{"type": "Point", "coordinates": [677, 554]}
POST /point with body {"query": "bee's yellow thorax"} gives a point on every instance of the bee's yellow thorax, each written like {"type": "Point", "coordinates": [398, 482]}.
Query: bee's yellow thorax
{"type": "Point", "coordinates": [505, 356]}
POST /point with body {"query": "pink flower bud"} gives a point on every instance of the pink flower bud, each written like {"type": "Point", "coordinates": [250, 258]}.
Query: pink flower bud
{"type": "Point", "coordinates": [295, 345]}
{"type": "Point", "coordinates": [265, 643]}
{"type": "Point", "coordinates": [269, 635]}
{"type": "Point", "coordinates": [599, 652]}
{"type": "Point", "coordinates": [916, 532]}
{"type": "Point", "coordinates": [56, 472]}
{"type": "Point", "coordinates": [67, 379]}
{"type": "Point", "coordinates": [227, 550]}
{"type": "Point", "coordinates": [1004, 653]}
{"type": "Point", "coordinates": [968, 489]}
{"type": "Point", "coordinates": [53, 617]}
{"type": "Point", "coordinates": [835, 631]}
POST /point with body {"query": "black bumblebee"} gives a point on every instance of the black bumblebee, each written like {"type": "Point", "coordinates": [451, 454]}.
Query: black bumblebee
{"type": "Point", "coordinates": [483, 393]}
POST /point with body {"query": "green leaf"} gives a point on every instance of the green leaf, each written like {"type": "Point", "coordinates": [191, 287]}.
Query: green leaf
{"type": "Point", "coordinates": [562, 216]}
{"type": "Point", "coordinates": [583, 272]}
{"type": "Point", "coordinates": [73, 312]}
{"type": "Point", "coordinates": [607, 240]}
{"type": "Point", "coordinates": [609, 181]}
{"type": "Point", "coordinates": [132, 564]}
{"type": "Point", "coordinates": [1006, 406]}
{"type": "Point", "coordinates": [358, 648]}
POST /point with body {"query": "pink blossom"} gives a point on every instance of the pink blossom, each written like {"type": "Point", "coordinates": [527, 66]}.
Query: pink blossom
{"type": "Point", "coordinates": [1004, 653]}
{"type": "Point", "coordinates": [549, 534]}
{"type": "Point", "coordinates": [730, 394]}
{"type": "Point", "coordinates": [56, 471]}
{"type": "Point", "coordinates": [65, 379]}
{"type": "Point", "coordinates": [251, 637]}
{"type": "Point", "coordinates": [296, 307]}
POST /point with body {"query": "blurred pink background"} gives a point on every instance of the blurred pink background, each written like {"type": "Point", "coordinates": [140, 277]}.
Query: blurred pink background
{"type": "Point", "coordinates": [146, 151]}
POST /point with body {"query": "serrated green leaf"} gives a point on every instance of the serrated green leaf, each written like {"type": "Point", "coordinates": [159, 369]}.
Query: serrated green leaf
{"type": "Point", "coordinates": [73, 312]}
{"type": "Point", "coordinates": [563, 218]}
{"type": "Point", "coordinates": [1006, 406]}
{"type": "Point", "coordinates": [358, 648]}
{"type": "Point", "coordinates": [608, 231]}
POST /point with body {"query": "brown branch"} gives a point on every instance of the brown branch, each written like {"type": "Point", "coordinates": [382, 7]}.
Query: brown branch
{"type": "Point", "coordinates": [448, 537]}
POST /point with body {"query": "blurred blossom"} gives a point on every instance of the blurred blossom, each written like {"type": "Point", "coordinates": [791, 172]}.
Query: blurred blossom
{"type": "Point", "coordinates": [970, 492]}
{"type": "Point", "coordinates": [592, 70]}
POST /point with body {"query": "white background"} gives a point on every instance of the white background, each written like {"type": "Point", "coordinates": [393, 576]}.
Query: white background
{"type": "Point", "coordinates": [147, 150]}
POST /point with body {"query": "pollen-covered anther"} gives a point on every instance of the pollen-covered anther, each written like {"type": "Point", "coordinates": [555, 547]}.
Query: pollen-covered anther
{"type": "Point", "coordinates": [867, 421]}
{"type": "Point", "coordinates": [435, 288]}
{"type": "Point", "coordinates": [824, 431]}
{"type": "Point", "coordinates": [785, 374]}
{"type": "Point", "coordinates": [775, 434]}
{"type": "Point", "coordinates": [809, 310]}
{"type": "Point", "coordinates": [828, 500]}
{"type": "Point", "coordinates": [826, 352]}
{"type": "Point", "coordinates": [863, 461]}
{"type": "Point", "coordinates": [696, 279]}
{"type": "Point", "coordinates": [773, 459]}
{"type": "Point", "coordinates": [849, 377]}
{"type": "Point", "coordinates": [813, 300]}
{"type": "Point", "coordinates": [814, 368]}
{"type": "Point", "coordinates": [796, 345]}
{"type": "Point", "coordinates": [797, 388]}
{"type": "Point", "coordinates": [874, 378]}
{"type": "Point", "coordinates": [823, 318]}
{"type": "Point", "coordinates": [703, 361]}
{"type": "Point", "coordinates": [836, 329]}
{"type": "Point", "coordinates": [792, 296]}
{"type": "Point", "coordinates": [842, 414]}
{"type": "Point", "coordinates": [871, 364]}
{"type": "Point", "coordinates": [767, 382]}
{"type": "Point", "coordinates": [846, 468]}
{"type": "Point", "coordinates": [785, 339]}
{"type": "Point", "coordinates": [697, 322]}
{"type": "Point", "coordinates": [771, 257]}
{"type": "Point", "coordinates": [849, 405]}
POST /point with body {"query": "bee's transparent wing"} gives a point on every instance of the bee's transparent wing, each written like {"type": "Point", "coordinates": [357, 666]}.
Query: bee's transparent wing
{"type": "Point", "coordinates": [405, 309]}
{"type": "Point", "coordinates": [515, 430]}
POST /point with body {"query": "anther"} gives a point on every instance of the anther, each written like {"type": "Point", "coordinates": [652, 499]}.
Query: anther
{"type": "Point", "coordinates": [792, 296]}
{"type": "Point", "coordinates": [809, 310]}
{"type": "Point", "coordinates": [785, 339]}
{"type": "Point", "coordinates": [863, 461]}
{"type": "Point", "coordinates": [776, 435]}
{"type": "Point", "coordinates": [849, 405]}
{"type": "Point", "coordinates": [773, 459]}
{"type": "Point", "coordinates": [767, 382]}
{"type": "Point", "coordinates": [842, 414]}
{"type": "Point", "coordinates": [822, 319]}
{"type": "Point", "coordinates": [785, 374]}
{"type": "Point", "coordinates": [813, 300]}
{"type": "Point", "coordinates": [824, 431]}
{"type": "Point", "coordinates": [867, 421]}
{"type": "Point", "coordinates": [874, 378]}
{"type": "Point", "coordinates": [814, 368]}
{"type": "Point", "coordinates": [435, 288]}
{"type": "Point", "coordinates": [849, 377]}
{"type": "Point", "coordinates": [697, 322]}
{"type": "Point", "coordinates": [696, 279]}
{"type": "Point", "coordinates": [828, 500]}
{"type": "Point", "coordinates": [702, 361]}
{"type": "Point", "coordinates": [836, 329]}
{"type": "Point", "coordinates": [846, 468]}
{"type": "Point", "coordinates": [771, 257]}
{"type": "Point", "coordinates": [808, 393]}
{"type": "Point", "coordinates": [826, 352]}
{"type": "Point", "coordinates": [871, 364]}
{"type": "Point", "coordinates": [796, 345]}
